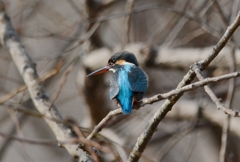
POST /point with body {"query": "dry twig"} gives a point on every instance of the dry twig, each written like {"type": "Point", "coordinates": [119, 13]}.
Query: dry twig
{"type": "Point", "coordinates": [229, 100]}
{"type": "Point", "coordinates": [128, 8]}
{"type": "Point", "coordinates": [62, 82]}
{"type": "Point", "coordinates": [98, 128]}
{"type": "Point", "coordinates": [24, 87]}
{"type": "Point", "coordinates": [211, 94]}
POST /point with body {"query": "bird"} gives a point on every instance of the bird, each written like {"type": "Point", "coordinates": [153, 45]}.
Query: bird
{"type": "Point", "coordinates": [128, 83]}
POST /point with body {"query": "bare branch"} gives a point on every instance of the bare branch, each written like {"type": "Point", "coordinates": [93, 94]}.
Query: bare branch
{"type": "Point", "coordinates": [98, 128]}
{"type": "Point", "coordinates": [62, 81]}
{"type": "Point", "coordinates": [162, 56]}
{"type": "Point", "coordinates": [229, 101]}
{"type": "Point", "coordinates": [128, 8]}
{"type": "Point", "coordinates": [188, 110]}
{"type": "Point", "coordinates": [146, 135]}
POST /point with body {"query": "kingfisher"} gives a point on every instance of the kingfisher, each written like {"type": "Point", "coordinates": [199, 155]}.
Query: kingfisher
{"type": "Point", "coordinates": [128, 82]}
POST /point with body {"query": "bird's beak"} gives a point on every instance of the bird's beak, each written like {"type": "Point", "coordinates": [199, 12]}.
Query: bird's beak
{"type": "Point", "coordinates": [100, 71]}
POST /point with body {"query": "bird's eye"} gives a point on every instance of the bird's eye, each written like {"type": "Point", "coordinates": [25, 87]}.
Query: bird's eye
{"type": "Point", "coordinates": [110, 63]}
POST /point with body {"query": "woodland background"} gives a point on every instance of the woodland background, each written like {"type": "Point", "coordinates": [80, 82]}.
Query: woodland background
{"type": "Point", "coordinates": [167, 37]}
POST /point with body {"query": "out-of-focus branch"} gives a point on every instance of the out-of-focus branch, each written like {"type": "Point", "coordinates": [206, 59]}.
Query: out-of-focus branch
{"type": "Point", "coordinates": [24, 87]}
{"type": "Point", "coordinates": [7, 142]}
{"type": "Point", "coordinates": [146, 135]}
{"type": "Point", "coordinates": [188, 110]}
{"type": "Point", "coordinates": [63, 81]}
{"type": "Point", "coordinates": [103, 122]}
{"type": "Point", "coordinates": [219, 10]}
{"type": "Point", "coordinates": [128, 8]}
{"type": "Point", "coordinates": [231, 91]}
{"type": "Point", "coordinates": [229, 101]}
{"type": "Point", "coordinates": [161, 56]}
{"type": "Point", "coordinates": [188, 15]}
{"type": "Point", "coordinates": [177, 28]}
{"type": "Point", "coordinates": [27, 70]}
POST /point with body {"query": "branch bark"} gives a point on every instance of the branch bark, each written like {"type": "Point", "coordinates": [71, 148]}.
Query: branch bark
{"type": "Point", "coordinates": [188, 110]}
{"type": "Point", "coordinates": [27, 69]}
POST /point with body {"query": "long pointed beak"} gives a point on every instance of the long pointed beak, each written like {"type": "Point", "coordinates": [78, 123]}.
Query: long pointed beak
{"type": "Point", "coordinates": [99, 71]}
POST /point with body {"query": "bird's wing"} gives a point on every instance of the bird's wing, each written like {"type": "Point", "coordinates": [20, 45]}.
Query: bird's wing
{"type": "Point", "coordinates": [114, 87]}
{"type": "Point", "coordinates": [138, 80]}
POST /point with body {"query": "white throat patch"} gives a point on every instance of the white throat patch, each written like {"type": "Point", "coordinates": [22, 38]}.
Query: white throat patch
{"type": "Point", "coordinates": [113, 70]}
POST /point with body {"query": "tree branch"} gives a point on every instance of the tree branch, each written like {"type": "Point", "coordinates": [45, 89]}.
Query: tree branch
{"type": "Point", "coordinates": [211, 94]}
{"type": "Point", "coordinates": [160, 57]}
{"type": "Point", "coordinates": [99, 127]}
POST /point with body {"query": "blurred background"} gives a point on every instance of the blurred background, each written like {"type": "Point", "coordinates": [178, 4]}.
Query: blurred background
{"type": "Point", "coordinates": [167, 36]}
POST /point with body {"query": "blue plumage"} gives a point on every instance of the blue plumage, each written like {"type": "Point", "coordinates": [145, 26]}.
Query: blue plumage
{"type": "Point", "coordinates": [125, 94]}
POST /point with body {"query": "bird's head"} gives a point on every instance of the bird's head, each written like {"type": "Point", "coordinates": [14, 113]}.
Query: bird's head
{"type": "Point", "coordinates": [119, 58]}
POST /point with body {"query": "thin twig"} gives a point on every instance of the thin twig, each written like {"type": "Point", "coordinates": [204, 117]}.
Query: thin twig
{"type": "Point", "coordinates": [18, 131]}
{"type": "Point", "coordinates": [87, 147]}
{"type": "Point", "coordinates": [128, 8]}
{"type": "Point", "coordinates": [173, 33]}
{"type": "Point", "coordinates": [190, 36]}
{"type": "Point", "coordinates": [24, 87]}
{"type": "Point", "coordinates": [220, 11]}
{"type": "Point", "coordinates": [174, 139]}
{"type": "Point", "coordinates": [55, 142]}
{"type": "Point", "coordinates": [229, 100]}
{"type": "Point", "coordinates": [109, 116]}
{"type": "Point", "coordinates": [211, 94]}
{"type": "Point", "coordinates": [30, 141]}
{"type": "Point", "coordinates": [73, 46]}
{"type": "Point", "coordinates": [62, 81]}
{"type": "Point", "coordinates": [7, 142]}
{"type": "Point", "coordinates": [188, 15]}
{"type": "Point", "coordinates": [75, 7]}
{"type": "Point", "coordinates": [231, 91]}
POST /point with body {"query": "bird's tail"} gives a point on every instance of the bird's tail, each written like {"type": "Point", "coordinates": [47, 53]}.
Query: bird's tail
{"type": "Point", "coordinates": [127, 106]}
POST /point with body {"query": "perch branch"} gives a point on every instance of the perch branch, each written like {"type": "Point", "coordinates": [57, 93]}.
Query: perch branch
{"type": "Point", "coordinates": [189, 87]}
{"type": "Point", "coordinates": [109, 116]}
{"type": "Point", "coordinates": [167, 95]}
